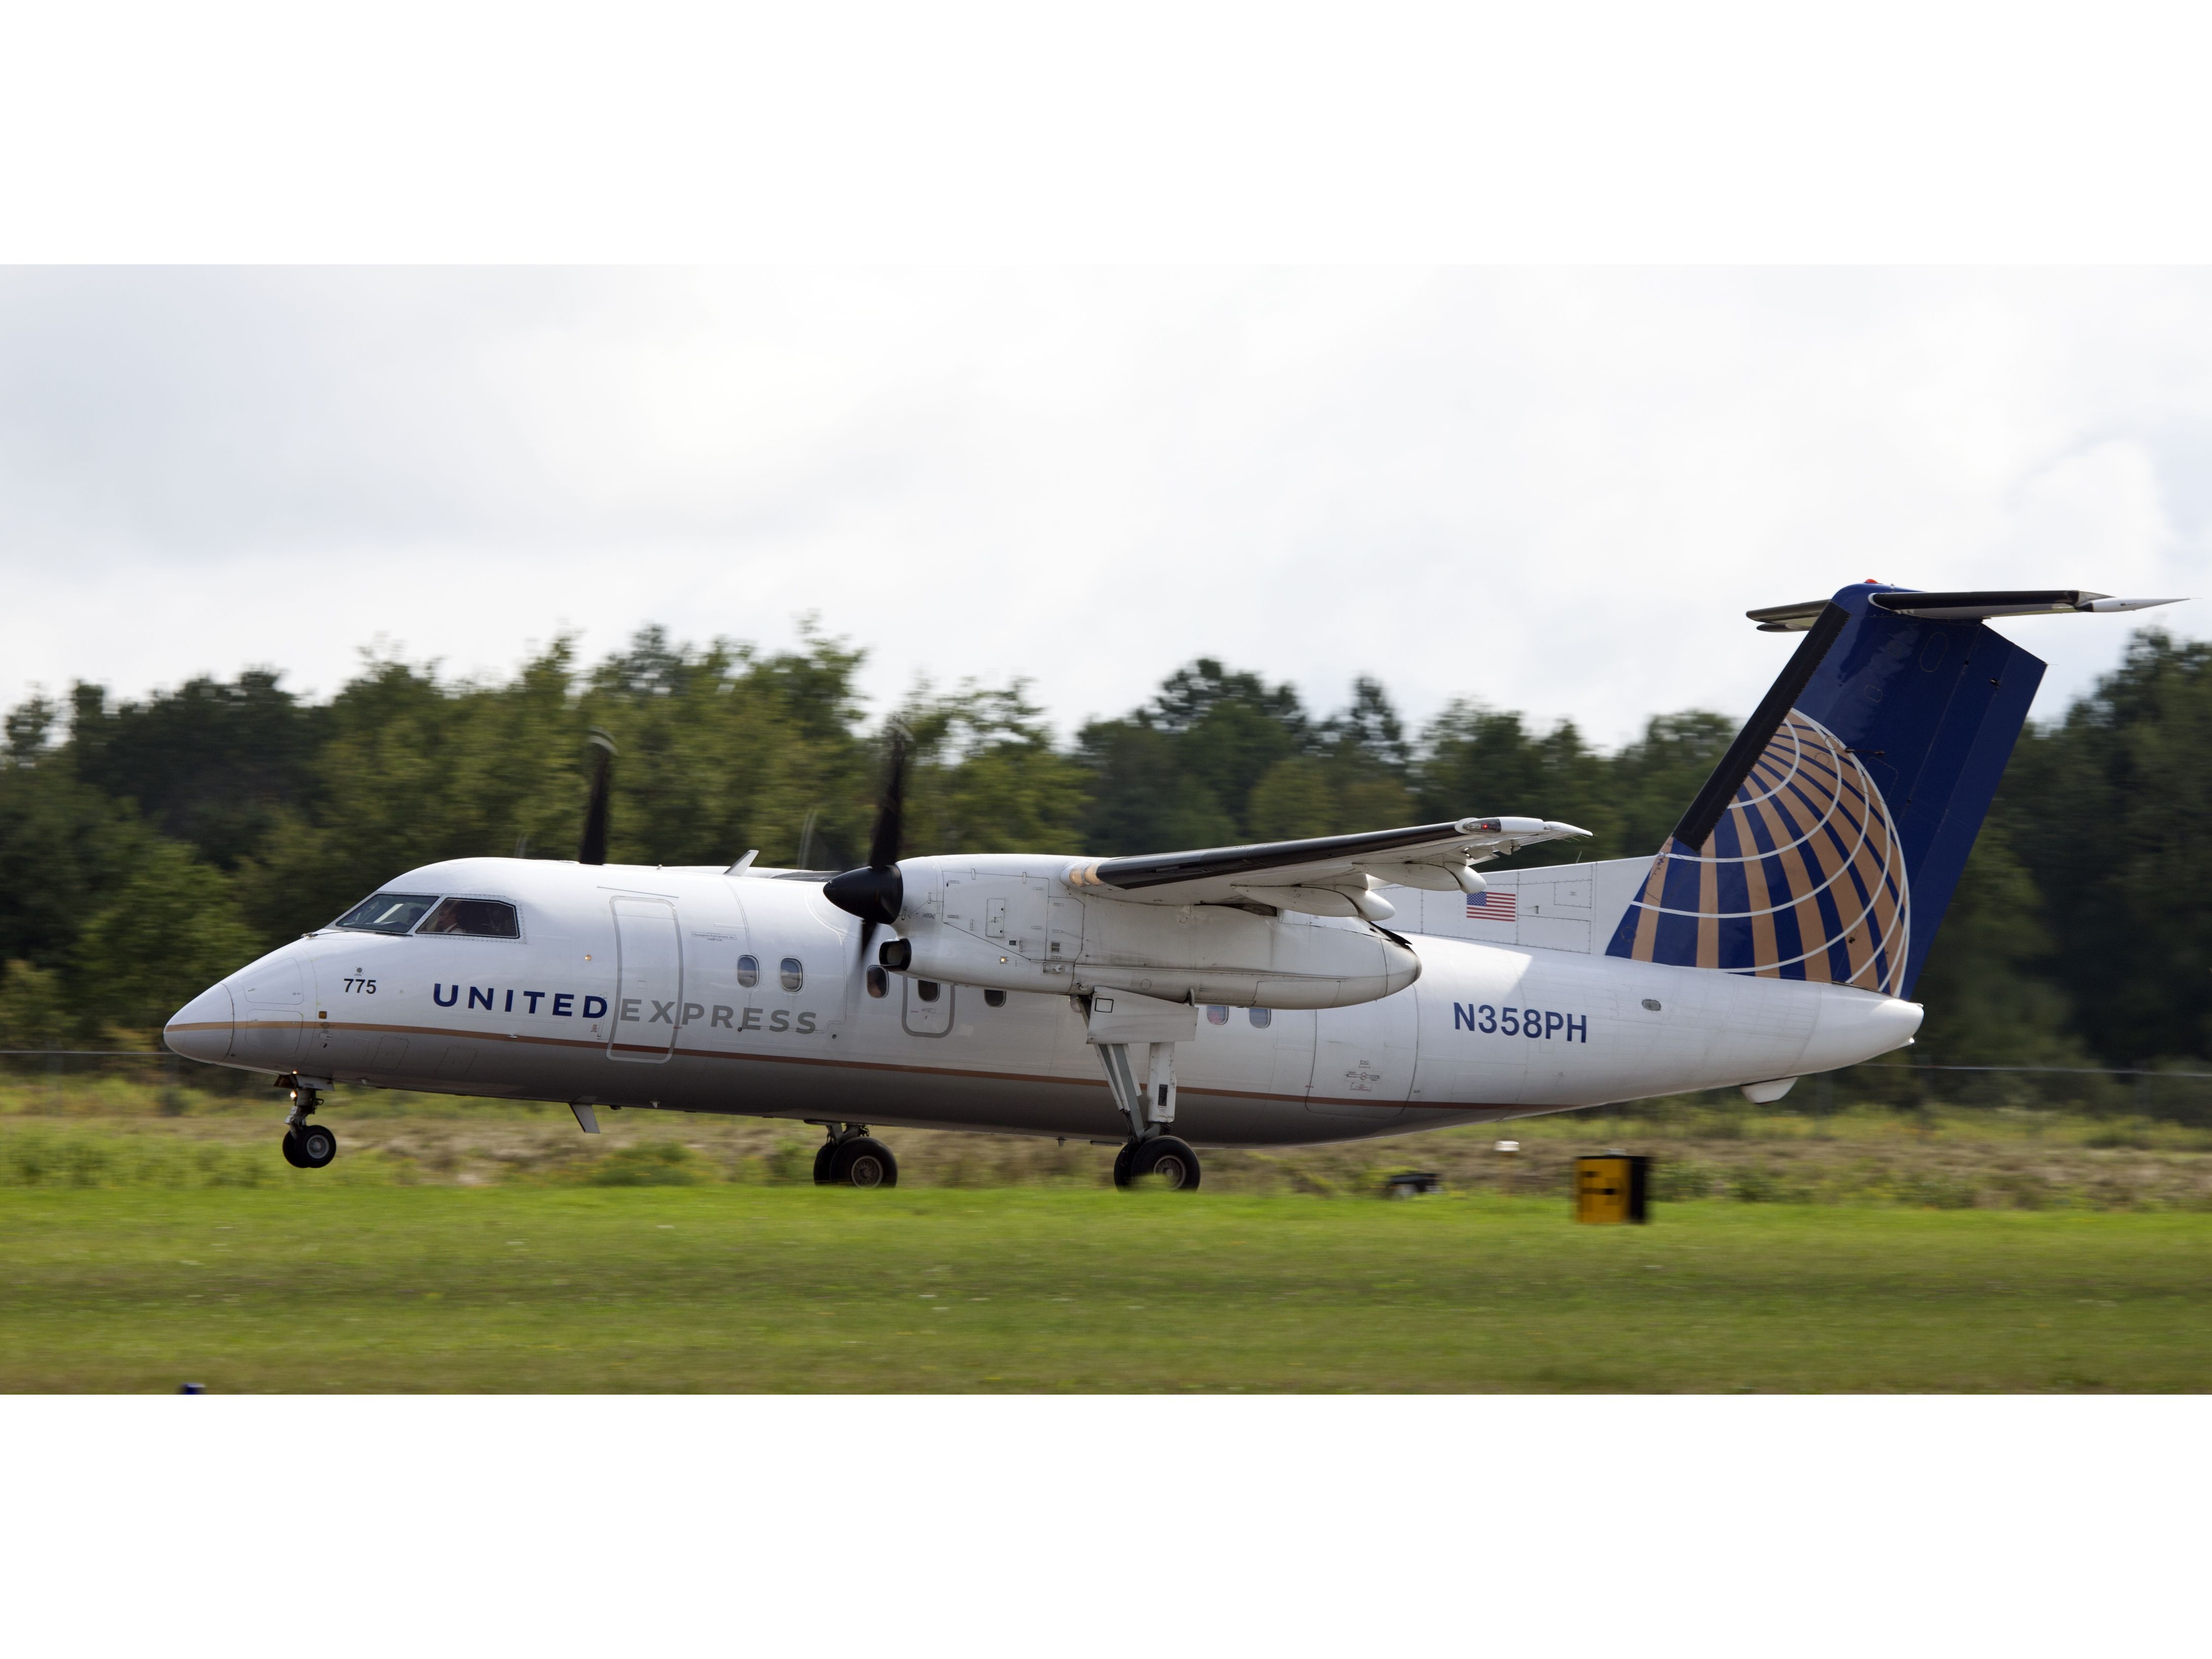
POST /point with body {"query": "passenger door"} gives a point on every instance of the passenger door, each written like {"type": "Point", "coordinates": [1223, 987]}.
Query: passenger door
{"type": "Point", "coordinates": [649, 980]}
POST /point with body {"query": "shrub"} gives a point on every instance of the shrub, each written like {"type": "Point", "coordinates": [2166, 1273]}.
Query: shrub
{"type": "Point", "coordinates": [661, 1163]}
{"type": "Point", "coordinates": [791, 1163]}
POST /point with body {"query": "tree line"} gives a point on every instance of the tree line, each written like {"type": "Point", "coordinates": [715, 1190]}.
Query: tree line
{"type": "Point", "coordinates": [147, 849]}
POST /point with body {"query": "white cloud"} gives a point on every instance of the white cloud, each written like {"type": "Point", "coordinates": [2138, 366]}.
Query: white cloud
{"type": "Point", "coordinates": [1556, 491]}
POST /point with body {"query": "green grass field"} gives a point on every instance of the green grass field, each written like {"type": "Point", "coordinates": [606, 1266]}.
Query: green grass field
{"type": "Point", "coordinates": [747, 1287]}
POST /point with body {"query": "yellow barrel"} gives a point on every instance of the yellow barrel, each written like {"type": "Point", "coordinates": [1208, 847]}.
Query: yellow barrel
{"type": "Point", "coordinates": [1611, 1186]}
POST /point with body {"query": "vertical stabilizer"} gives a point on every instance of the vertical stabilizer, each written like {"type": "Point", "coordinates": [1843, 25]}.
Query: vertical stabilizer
{"type": "Point", "coordinates": [1826, 844]}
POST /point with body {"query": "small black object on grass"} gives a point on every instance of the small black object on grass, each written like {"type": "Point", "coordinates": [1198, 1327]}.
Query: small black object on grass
{"type": "Point", "coordinates": [1412, 1184]}
{"type": "Point", "coordinates": [191, 1388]}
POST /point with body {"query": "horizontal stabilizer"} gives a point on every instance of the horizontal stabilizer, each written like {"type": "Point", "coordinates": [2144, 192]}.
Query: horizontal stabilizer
{"type": "Point", "coordinates": [1973, 605]}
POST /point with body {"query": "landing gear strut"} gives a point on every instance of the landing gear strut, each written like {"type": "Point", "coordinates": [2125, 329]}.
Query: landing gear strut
{"type": "Point", "coordinates": [1150, 1106]}
{"type": "Point", "coordinates": [307, 1145]}
{"type": "Point", "coordinates": [854, 1158]}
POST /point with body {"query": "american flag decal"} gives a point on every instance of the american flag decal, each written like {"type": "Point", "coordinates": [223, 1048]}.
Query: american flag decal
{"type": "Point", "coordinates": [1489, 906]}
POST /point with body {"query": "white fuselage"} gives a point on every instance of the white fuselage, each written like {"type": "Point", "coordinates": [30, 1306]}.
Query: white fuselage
{"type": "Point", "coordinates": [627, 988]}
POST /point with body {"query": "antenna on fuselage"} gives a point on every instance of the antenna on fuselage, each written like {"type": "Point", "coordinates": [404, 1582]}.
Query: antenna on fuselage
{"type": "Point", "coordinates": [593, 848]}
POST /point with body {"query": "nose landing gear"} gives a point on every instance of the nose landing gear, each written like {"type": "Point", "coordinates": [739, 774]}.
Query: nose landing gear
{"type": "Point", "coordinates": [307, 1145]}
{"type": "Point", "coordinates": [311, 1146]}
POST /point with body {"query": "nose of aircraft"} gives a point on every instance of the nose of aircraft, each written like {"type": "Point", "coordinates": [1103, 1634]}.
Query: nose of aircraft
{"type": "Point", "coordinates": [201, 1028]}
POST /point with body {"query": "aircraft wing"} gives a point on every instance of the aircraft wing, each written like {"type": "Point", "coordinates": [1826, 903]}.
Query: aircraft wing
{"type": "Point", "coordinates": [1328, 875]}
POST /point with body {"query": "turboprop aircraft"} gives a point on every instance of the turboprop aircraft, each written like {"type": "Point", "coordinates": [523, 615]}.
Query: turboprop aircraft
{"type": "Point", "coordinates": [1289, 993]}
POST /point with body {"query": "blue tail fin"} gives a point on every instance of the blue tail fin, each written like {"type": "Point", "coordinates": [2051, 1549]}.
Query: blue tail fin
{"type": "Point", "coordinates": [1827, 843]}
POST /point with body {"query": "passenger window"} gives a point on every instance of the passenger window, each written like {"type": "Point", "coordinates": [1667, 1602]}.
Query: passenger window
{"type": "Point", "coordinates": [747, 971]}
{"type": "Point", "coordinates": [794, 976]}
{"type": "Point", "coordinates": [880, 982]}
{"type": "Point", "coordinates": [386, 913]}
{"type": "Point", "coordinates": [474, 918]}
{"type": "Point", "coordinates": [994, 999]}
{"type": "Point", "coordinates": [1216, 1014]}
{"type": "Point", "coordinates": [927, 989]}
{"type": "Point", "coordinates": [1262, 1018]}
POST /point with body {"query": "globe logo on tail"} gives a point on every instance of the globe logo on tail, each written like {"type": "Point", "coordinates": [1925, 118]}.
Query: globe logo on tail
{"type": "Point", "coordinates": [1802, 877]}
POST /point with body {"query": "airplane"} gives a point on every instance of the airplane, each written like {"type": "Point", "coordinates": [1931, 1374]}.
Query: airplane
{"type": "Point", "coordinates": [1285, 993]}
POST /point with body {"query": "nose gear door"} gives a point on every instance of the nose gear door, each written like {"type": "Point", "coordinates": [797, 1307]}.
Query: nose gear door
{"type": "Point", "coordinates": [649, 974]}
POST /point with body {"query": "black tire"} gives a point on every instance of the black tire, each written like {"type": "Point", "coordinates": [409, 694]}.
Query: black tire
{"type": "Point", "coordinates": [1170, 1161]}
{"type": "Point", "coordinates": [864, 1161]}
{"type": "Point", "coordinates": [291, 1148]}
{"type": "Point", "coordinates": [317, 1144]}
{"type": "Point", "coordinates": [824, 1176]}
{"type": "Point", "coordinates": [1121, 1162]}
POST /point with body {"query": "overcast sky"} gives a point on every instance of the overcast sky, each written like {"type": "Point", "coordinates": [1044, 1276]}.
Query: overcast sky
{"type": "Point", "coordinates": [1553, 491]}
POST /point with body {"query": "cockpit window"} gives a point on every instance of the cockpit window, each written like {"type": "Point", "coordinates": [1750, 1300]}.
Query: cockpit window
{"type": "Point", "coordinates": [386, 913]}
{"type": "Point", "coordinates": [476, 918]}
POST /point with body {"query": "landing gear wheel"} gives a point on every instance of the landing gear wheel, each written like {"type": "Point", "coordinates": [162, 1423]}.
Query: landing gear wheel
{"type": "Point", "coordinates": [1121, 1162]}
{"type": "Point", "coordinates": [316, 1146]}
{"type": "Point", "coordinates": [863, 1161]}
{"type": "Point", "coordinates": [292, 1150]}
{"type": "Point", "coordinates": [1169, 1159]}
{"type": "Point", "coordinates": [825, 1175]}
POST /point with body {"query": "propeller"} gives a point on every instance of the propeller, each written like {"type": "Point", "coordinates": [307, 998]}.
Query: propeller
{"type": "Point", "coordinates": [876, 891]}
{"type": "Point", "coordinates": [593, 848]}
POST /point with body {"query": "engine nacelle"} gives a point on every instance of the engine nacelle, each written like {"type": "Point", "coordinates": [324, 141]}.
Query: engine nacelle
{"type": "Point", "coordinates": [1012, 923]}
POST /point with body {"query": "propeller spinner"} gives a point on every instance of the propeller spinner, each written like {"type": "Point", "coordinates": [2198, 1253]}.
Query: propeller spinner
{"type": "Point", "coordinates": [876, 891]}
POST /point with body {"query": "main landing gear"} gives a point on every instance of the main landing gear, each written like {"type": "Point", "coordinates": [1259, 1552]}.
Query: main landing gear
{"type": "Point", "coordinates": [854, 1158]}
{"type": "Point", "coordinates": [1164, 1157]}
{"type": "Point", "coordinates": [307, 1145]}
{"type": "Point", "coordinates": [1150, 1106]}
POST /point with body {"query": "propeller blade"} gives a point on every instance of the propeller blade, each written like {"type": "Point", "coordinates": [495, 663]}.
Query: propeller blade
{"type": "Point", "coordinates": [876, 891]}
{"type": "Point", "coordinates": [890, 811]}
{"type": "Point", "coordinates": [593, 848]}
